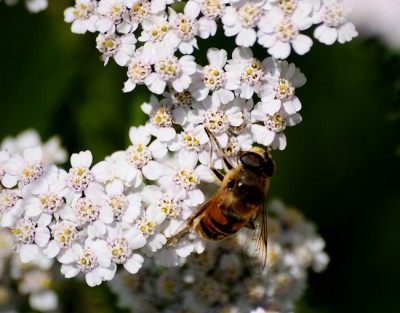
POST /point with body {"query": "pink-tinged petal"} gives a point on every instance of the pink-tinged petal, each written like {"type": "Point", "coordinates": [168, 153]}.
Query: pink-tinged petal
{"type": "Point", "coordinates": [302, 44]}
{"type": "Point", "coordinates": [28, 253]}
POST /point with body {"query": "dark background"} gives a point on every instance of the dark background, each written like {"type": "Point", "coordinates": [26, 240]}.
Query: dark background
{"type": "Point", "coordinates": [341, 166]}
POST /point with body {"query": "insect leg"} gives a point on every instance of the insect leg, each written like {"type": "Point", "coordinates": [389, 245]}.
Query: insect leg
{"type": "Point", "coordinates": [216, 172]}
{"type": "Point", "coordinates": [227, 165]}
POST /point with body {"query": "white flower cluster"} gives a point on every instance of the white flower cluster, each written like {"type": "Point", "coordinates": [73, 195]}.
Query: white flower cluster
{"type": "Point", "coordinates": [218, 280]}
{"type": "Point", "coordinates": [19, 280]}
{"type": "Point", "coordinates": [33, 6]}
{"type": "Point", "coordinates": [162, 32]}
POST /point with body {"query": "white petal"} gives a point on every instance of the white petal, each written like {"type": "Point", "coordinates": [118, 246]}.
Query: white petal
{"type": "Point", "coordinates": [28, 253]}
{"type": "Point", "coordinates": [133, 264]}
{"type": "Point", "coordinates": [302, 44]}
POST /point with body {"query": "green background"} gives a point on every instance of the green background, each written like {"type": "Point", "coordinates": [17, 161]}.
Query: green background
{"type": "Point", "coordinates": [341, 166]}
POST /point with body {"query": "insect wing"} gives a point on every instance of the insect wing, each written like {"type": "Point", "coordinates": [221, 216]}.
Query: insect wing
{"type": "Point", "coordinates": [255, 242]}
{"type": "Point", "coordinates": [190, 223]}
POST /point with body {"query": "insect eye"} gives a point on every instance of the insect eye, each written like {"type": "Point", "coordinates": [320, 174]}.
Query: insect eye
{"type": "Point", "coordinates": [251, 160]}
{"type": "Point", "coordinates": [269, 168]}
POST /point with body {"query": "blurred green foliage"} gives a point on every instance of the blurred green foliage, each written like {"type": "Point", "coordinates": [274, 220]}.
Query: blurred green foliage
{"type": "Point", "coordinates": [341, 166]}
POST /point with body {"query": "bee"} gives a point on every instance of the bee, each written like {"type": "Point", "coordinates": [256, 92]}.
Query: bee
{"type": "Point", "coordinates": [238, 203]}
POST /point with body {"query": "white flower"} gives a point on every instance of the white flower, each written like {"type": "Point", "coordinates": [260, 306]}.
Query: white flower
{"type": "Point", "coordinates": [288, 7]}
{"type": "Point", "coordinates": [271, 133]}
{"type": "Point", "coordinates": [241, 19]}
{"type": "Point", "coordinates": [184, 181]}
{"type": "Point", "coordinates": [156, 35]}
{"type": "Point", "coordinates": [81, 16]}
{"type": "Point", "coordinates": [148, 224]}
{"type": "Point", "coordinates": [93, 259]}
{"type": "Point", "coordinates": [29, 238]}
{"type": "Point", "coordinates": [139, 10]}
{"type": "Point", "coordinates": [63, 235]}
{"type": "Point", "coordinates": [139, 68]}
{"type": "Point", "coordinates": [217, 118]}
{"type": "Point", "coordinates": [211, 10]}
{"type": "Point", "coordinates": [163, 114]}
{"type": "Point", "coordinates": [278, 32]}
{"type": "Point", "coordinates": [91, 211]}
{"type": "Point", "coordinates": [28, 170]}
{"type": "Point", "coordinates": [80, 177]}
{"type": "Point", "coordinates": [121, 48]}
{"type": "Point", "coordinates": [192, 139]}
{"type": "Point", "coordinates": [335, 25]}
{"type": "Point", "coordinates": [212, 78]}
{"type": "Point", "coordinates": [52, 151]}
{"type": "Point", "coordinates": [124, 208]}
{"type": "Point", "coordinates": [44, 206]}
{"type": "Point", "coordinates": [111, 13]}
{"type": "Point", "coordinates": [185, 27]}
{"type": "Point", "coordinates": [122, 243]}
{"type": "Point", "coordinates": [137, 159]}
{"type": "Point", "coordinates": [279, 91]}
{"type": "Point", "coordinates": [11, 207]}
{"type": "Point", "coordinates": [248, 70]}
{"type": "Point", "coordinates": [169, 69]}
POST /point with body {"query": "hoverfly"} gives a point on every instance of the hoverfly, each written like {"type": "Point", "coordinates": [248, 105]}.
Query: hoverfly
{"type": "Point", "coordinates": [239, 202]}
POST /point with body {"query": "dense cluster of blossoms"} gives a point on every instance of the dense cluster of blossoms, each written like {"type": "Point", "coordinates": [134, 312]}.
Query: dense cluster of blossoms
{"type": "Point", "coordinates": [19, 281]}
{"type": "Point", "coordinates": [94, 218]}
{"type": "Point", "coordinates": [218, 280]}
